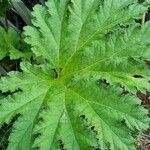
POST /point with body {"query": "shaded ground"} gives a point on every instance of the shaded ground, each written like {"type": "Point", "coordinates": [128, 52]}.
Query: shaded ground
{"type": "Point", "coordinates": [144, 142]}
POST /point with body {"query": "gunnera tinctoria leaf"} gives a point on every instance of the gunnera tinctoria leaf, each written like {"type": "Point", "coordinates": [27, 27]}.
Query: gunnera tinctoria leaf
{"type": "Point", "coordinates": [70, 97]}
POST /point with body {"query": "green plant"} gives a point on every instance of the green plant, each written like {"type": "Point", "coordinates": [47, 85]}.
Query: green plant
{"type": "Point", "coordinates": [22, 11]}
{"type": "Point", "coordinates": [10, 44]}
{"type": "Point", "coordinates": [5, 5]}
{"type": "Point", "coordinates": [89, 51]}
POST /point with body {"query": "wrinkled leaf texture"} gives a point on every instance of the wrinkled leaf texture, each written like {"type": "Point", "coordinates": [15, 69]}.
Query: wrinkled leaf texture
{"type": "Point", "coordinates": [89, 50]}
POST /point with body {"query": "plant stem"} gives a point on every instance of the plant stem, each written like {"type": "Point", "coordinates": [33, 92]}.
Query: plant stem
{"type": "Point", "coordinates": [6, 22]}
{"type": "Point", "coordinates": [57, 72]}
{"type": "Point", "coordinates": [143, 19]}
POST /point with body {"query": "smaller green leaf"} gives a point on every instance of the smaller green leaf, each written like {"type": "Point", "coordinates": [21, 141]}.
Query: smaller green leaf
{"type": "Point", "coordinates": [22, 10]}
{"type": "Point", "coordinates": [4, 5]}
{"type": "Point", "coordinates": [11, 45]}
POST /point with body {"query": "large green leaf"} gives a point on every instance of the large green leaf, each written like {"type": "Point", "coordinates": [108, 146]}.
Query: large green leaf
{"type": "Point", "coordinates": [73, 99]}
